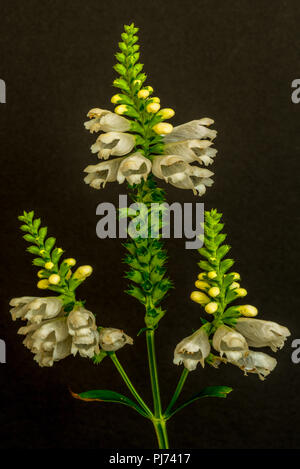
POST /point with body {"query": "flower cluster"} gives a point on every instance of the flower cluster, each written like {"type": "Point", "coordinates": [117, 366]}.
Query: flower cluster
{"type": "Point", "coordinates": [50, 333]}
{"type": "Point", "coordinates": [233, 329]}
{"type": "Point", "coordinates": [143, 142]}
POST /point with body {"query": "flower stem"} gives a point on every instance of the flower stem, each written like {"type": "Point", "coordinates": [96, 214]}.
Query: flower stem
{"type": "Point", "coordinates": [178, 390]}
{"type": "Point", "coordinates": [161, 433]}
{"type": "Point", "coordinates": [129, 384]}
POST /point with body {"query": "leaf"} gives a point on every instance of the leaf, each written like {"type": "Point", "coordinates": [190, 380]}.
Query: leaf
{"type": "Point", "coordinates": [104, 395]}
{"type": "Point", "coordinates": [210, 391]}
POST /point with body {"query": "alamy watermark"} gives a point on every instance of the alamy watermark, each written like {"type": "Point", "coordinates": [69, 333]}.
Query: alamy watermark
{"type": "Point", "coordinates": [296, 93]}
{"type": "Point", "coordinates": [2, 351]}
{"type": "Point", "coordinates": [153, 221]}
{"type": "Point", "coordinates": [296, 353]}
{"type": "Point", "coordinates": [2, 91]}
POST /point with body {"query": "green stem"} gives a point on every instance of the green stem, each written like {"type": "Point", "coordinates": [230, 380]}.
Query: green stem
{"type": "Point", "coordinates": [178, 390]}
{"type": "Point", "coordinates": [161, 433]}
{"type": "Point", "coordinates": [129, 384]}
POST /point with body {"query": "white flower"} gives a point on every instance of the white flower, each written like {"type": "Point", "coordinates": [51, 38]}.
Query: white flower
{"type": "Point", "coordinates": [113, 143]}
{"type": "Point", "coordinates": [134, 168]}
{"type": "Point", "coordinates": [192, 350]}
{"type": "Point", "coordinates": [230, 343]}
{"type": "Point", "coordinates": [49, 341]}
{"type": "Point", "coordinates": [176, 170]}
{"type": "Point", "coordinates": [35, 309]}
{"type": "Point", "coordinates": [107, 121]}
{"type": "Point", "coordinates": [192, 150]}
{"type": "Point", "coordinates": [112, 339]}
{"type": "Point", "coordinates": [101, 173]}
{"type": "Point", "coordinates": [261, 333]}
{"type": "Point", "coordinates": [257, 362]}
{"type": "Point", "coordinates": [82, 327]}
{"type": "Point", "coordinates": [195, 129]}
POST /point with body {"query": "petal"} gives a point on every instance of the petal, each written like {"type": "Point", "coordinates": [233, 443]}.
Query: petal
{"type": "Point", "coordinates": [260, 333]}
{"type": "Point", "coordinates": [102, 173]}
{"type": "Point", "coordinates": [111, 122]}
{"type": "Point", "coordinates": [190, 130]}
{"type": "Point", "coordinates": [113, 143]}
{"type": "Point", "coordinates": [134, 168]}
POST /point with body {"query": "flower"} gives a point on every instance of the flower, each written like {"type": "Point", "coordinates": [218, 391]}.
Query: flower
{"type": "Point", "coordinates": [133, 168]}
{"type": "Point", "coordinates": [257, 362]}
{"type": "Point", "coordinates": [112, 339]}
{"type": "Point", "coordinates": [49, 341]}
{"type": "Point", "coordinates": [82, 327]}
{"type": "Point", "coordinates": [113, 143]}
{"type": "Point", "coordinates": [35, 309]}
{"type": "Point", "coordinates": [260, 333]}
{"type": "Point", "coordinates": [176, 170]}
{"type": "Point", "coordinates": [192, 150]}
{"type": "Point", "coordinates": [107, 121]}
{"type": "Point", "coordinates": [192, 350]}
{"type": "Point", "coordinates": [196, 129]}
{"type": "Point", "coordinates": [230, 343]}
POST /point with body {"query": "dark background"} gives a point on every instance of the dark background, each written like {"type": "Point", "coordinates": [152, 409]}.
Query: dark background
{"type": "Point", "coordinates": [233, 61]}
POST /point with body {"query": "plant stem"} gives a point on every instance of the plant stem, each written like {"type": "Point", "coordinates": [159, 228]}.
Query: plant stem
{"type": "Point", "coordinates": [178, 390]}
{"type": "Point", "coordinates": [158, 420]}
{"type": "Point", "coordinates": [129, 384]}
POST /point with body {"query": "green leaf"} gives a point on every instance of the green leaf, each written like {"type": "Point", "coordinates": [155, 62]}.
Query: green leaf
{"type": "Point", "coordinates": [49, 243]}
{"type": "Point", "coordinates": [104, 395]}
{"type": "Point", "coordinates": [210, 391]}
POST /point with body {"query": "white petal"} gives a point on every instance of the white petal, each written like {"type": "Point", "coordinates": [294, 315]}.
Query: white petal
{"type": "Point", "coordinates": [102, 173]}
{"type": "Point", "coordinates": [134, 168]}
{"type": "Point", "coordinates": [260, 333]}
{"type": "Point", "coordinates": [190, 130]}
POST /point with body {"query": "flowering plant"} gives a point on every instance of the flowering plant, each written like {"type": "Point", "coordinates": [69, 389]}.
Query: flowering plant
{"type": "Point", "coordinates": [138, 145]}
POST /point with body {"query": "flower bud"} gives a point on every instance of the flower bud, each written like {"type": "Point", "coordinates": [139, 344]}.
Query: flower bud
{"type": "Point", "coordinates": [212, 274]}
{"type": "Point", "coordinates": [214, 291]}
{"type": "Point", "coordinates": [153, 107]}
{"type": "Point", "coordinates": [43, 284]}
{"type": "Point", "coordinates": [206, 121]}
{"type": "Point", "coordinates": [202, 275]}
{"type": "Point", "coordinates": [149, 88]}
{"type": "Point", "coordinates": [49, 265]}
{"type": "Point", "coordinates": [211, 307]}
{"type": "Point", "coordinates": [42, 252]}
{"type": "Point", "coordinates": [163, 128]}
{"type": "Point", "coordinates": [199, 297]}
{"type": "Point", "coordinates": [234, 285]}
{"type": "Point", "coordinates": [167, 113]}
{"type": "Point", "coordinates": [155, 99]}
{"type": "Point", "coordinates": [40, 274]}
{"type": "Point", "coordinates": [143, 94]}
{"type": "Point", "coordinates": [83, 271]}
{"type": "Point", "coordinates": [137, 82]}
{"type": "Point", "coordinates": [54, 279]}
{"type": "Point", "coordinates": [248, 310]}
{"type": "Point", "coordinates": [202, 285]}
{"type": "Point", "coordinates": [241, 291]}
{"type": "Point", "coordinates": [71, 262]}
{"type": "Point", "coordinates": [121, 109]}
{"type": "Point", "coordinates": [115, 98]}
{"type": "Point", "coordinates": [112, 339]}
{"type": "Point", "coordinates": [236, 275]}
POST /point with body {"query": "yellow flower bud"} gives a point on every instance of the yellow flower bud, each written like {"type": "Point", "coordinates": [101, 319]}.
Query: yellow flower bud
{"type": "Point", "coordinates": [155, 99]}
{"type": "Point", "coordinates": [211, 307]}
{"type": "Point", "coordinates": [121, 109]}
{"type": "Point", "coordinates": [236, 275]}
{"type": "Point", "coordinates": [241, 291]}
{"type": "Point", "coordinates": [40, 274]}
{"type": "Point", "coordinates": [212, 274]}
{"type": "Point", "coordinates": [49, 265]}
{"type": "Point", "coordinates": [143, 94]}
{"type": "Point", "coordinates": [163, 128]}
{"type": "Point", "coordinates": [153, 107]}
{"type": "Point", "coordinates": [54, 279]}
{"type": "Point", "coordinates": [202, 285]}
{"type": "Point", "coordinates": [137, 82]}
{"type": "Point", "coordinates": [59, 250]}
{"type": "Point", "coordinates": [42, 252]}
{"type": "Point", "coordinates": [115, 98]}
{"type": "Point", "coordinates": [43, 284]}
{"type": "Point", "coordinates": [149, 88]}
{"type": "Point", "coordinates": [214, 291]}
{"type": "Point", "coordinates": [167, 113]}
{"type": "Point", "coordinates": [199, 297]}
{"type": "Point", "coordinates": [234, 285]}
{"type": "Point", "coordinates": [248, 310]}
{"type": "Point", "coordinates": [202, 275]}
{"type": "Point", "coordinates": [83, 271]}
{"type": "Point", "coordinates": [70, 261]}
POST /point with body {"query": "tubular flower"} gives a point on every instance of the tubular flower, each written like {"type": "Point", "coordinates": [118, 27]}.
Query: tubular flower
{"type": "Point", "coordinates": [257, 362]}
{"type": "Point", "coordinates": [196, 129]}
{"type": "Point", "coordinates": [113, 143]}
{"type": "Point", "coordinates": [230, 343]}
{"type": "Point", "coordinates": [101, 173]}
{"type": "Point", "coordinates": [82, 327]}
{"type": "Point", "coordinates": [107, 121]}
{"type": "Point", "coordinates": [49, 341]}
{"type": "Point", "coordinates": [260, 333]}
{"type": "Point", "coordinates": [192, 150]}
{"type": "Point", "coordinates": [112, 339]}
{"type": "Point", "coordinates": [192, 350]}
{"type": "Point", "coordinates": [35, 309]}
{"type": "Point", "coordinates": [175, 170]}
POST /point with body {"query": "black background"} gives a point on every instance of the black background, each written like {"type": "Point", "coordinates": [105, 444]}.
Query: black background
{"type": "Point", "coordinates": [233, 61]}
